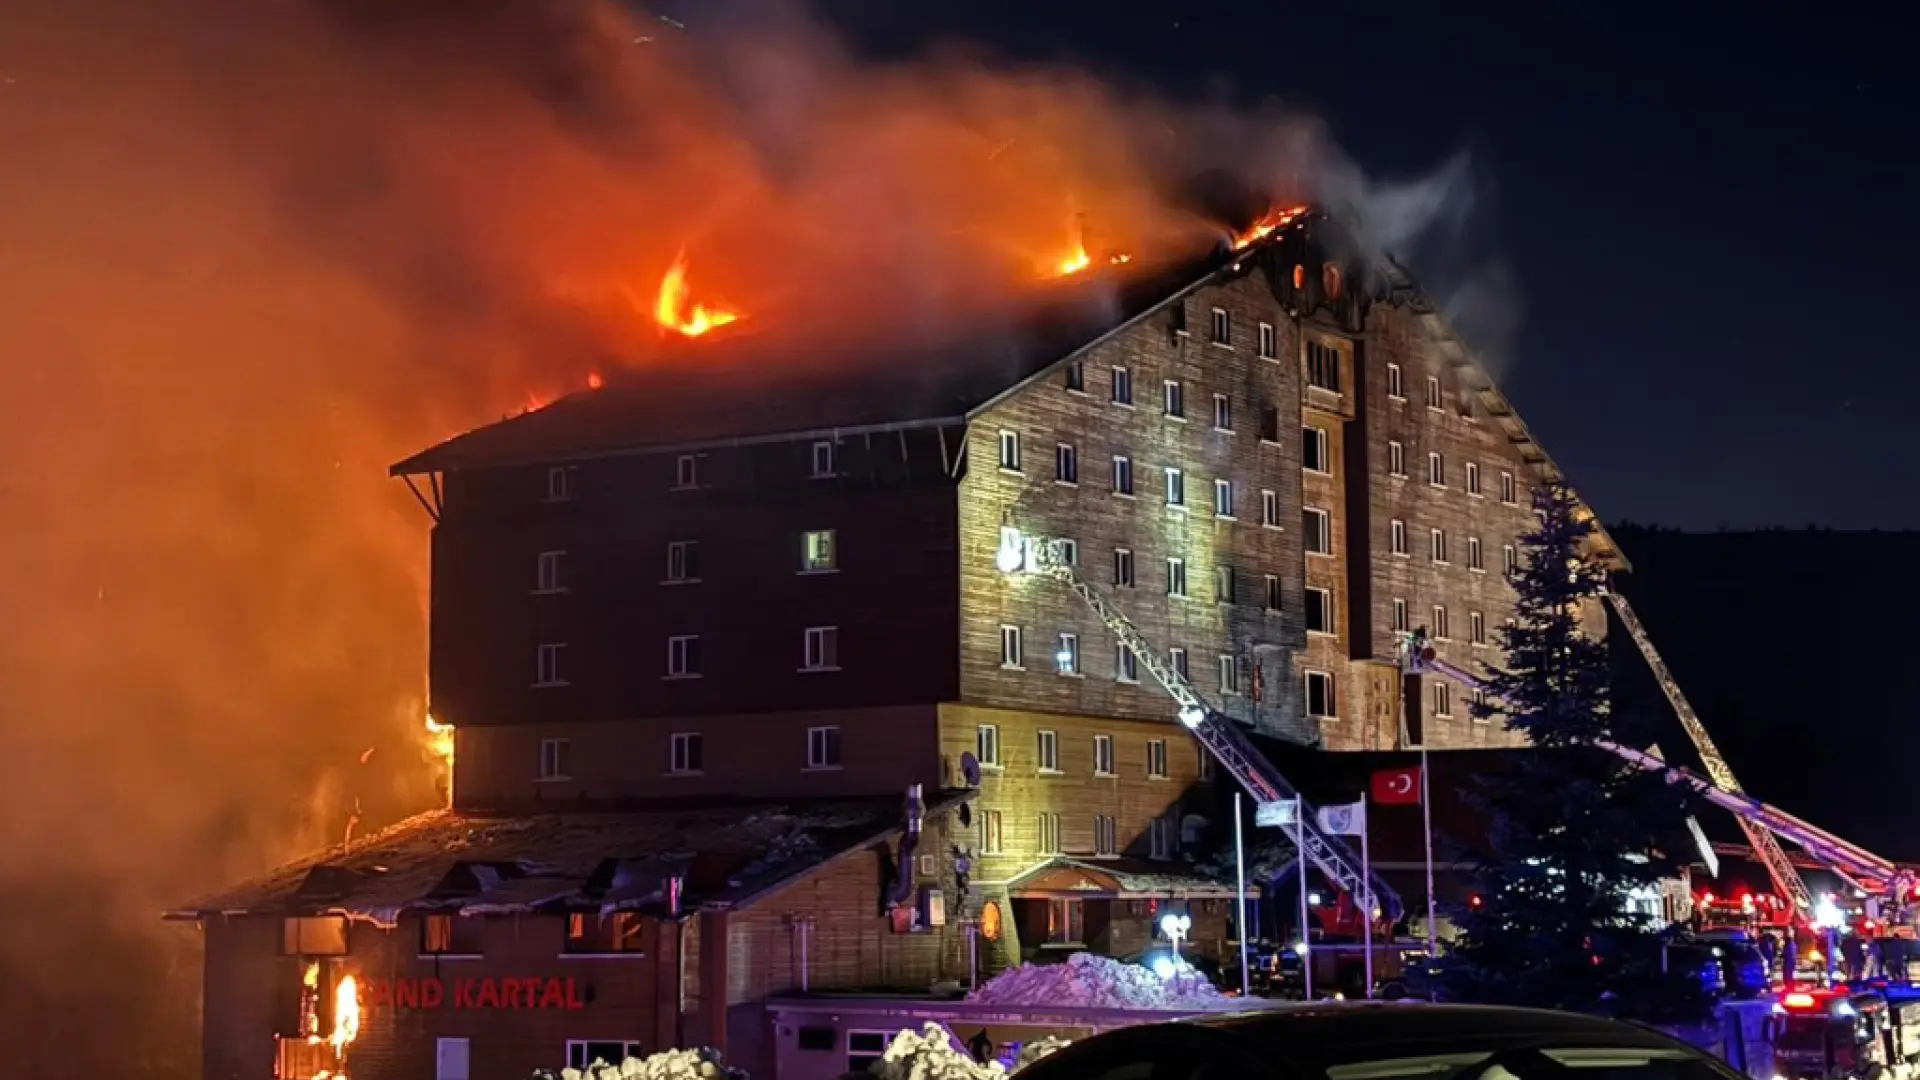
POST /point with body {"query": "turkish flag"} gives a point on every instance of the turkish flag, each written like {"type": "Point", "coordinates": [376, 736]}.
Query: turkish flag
{"type": "Point", "coordinates": [1397, 787]}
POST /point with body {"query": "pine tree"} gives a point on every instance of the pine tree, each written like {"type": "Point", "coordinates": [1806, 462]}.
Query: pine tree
{"type": "Point", "coordinates": [1573, 831]}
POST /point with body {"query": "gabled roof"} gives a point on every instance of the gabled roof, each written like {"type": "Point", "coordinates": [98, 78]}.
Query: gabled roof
{"type": "Point", "coordinates": [444, 860]}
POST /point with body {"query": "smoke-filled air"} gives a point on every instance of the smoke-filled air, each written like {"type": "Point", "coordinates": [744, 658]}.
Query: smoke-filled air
{"type": "Point", "coordinates": [253, 253]}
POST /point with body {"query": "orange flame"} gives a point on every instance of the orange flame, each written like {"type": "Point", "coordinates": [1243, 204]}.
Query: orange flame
{"type": "Point", "coordinates": [346, 1016]}
{"type": "Point", "coordinates": [594, 382]}
{"type": "Point", "coordinates": [1075, 262]}
{"type": "Point", "coordinates": [440, 740]}
{"type": "Point", "coordinates": [675, 310]}
{"type": "Point", "coordinates": [1265, 227]}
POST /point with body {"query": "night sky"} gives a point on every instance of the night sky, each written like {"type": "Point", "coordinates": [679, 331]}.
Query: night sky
{"type": "Point", "coordinates": [1709, 220]}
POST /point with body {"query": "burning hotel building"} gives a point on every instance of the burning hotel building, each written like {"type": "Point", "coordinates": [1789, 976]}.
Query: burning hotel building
{"type": "Point", "coordinates": [744, 708]}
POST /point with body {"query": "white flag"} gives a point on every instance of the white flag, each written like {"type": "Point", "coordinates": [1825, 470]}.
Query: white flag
{"type": "Point", "coordinates": [1283, 813]}
{"type": "Point", "coordinates": [1349, 819]}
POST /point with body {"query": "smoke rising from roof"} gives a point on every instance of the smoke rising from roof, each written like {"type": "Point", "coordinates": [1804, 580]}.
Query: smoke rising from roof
{"type": "Point", "coordinates": [255, 252]}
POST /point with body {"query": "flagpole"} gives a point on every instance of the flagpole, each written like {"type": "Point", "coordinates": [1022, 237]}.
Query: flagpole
{"type": "Point", "coordinates": [1366, 887]}
{"type": "Point", "coordinates": [1426, 824]}
{"type": "Point", "coordinates": [1306, 933]}
{"type": "Point", "coordinates": [1240, 858]}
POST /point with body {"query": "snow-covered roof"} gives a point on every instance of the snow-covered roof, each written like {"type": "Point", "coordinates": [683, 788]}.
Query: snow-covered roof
{"type": "Point", "coordinates": [1120, 878]}
{"type": "Point", "coordinates": [445, 860]}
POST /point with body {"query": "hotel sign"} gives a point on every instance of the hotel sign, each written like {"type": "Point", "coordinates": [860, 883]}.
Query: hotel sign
{"type": "Point", "coordinates": [487, 992]}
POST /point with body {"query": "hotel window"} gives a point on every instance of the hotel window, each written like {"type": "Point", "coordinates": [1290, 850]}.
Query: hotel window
{"type": "Point", "coordinates": [1010, 651]}
{"type": "Point", "coordinates": [992, 835]}
{"type": "Point", "coordinates": [1176, 488]}
{"type": "Point", "coordinates": [1177, 659]}
{"type": "Point", "coordinates": [1313, 450]}
{"type": "Point", "coordinates": [823, 459]}
{"type": "Point", "coordinates": [1273, 592]}
{"type": "Point", "coordinates": [1174, 400]}
{"type": "Point", "coordinates": [1509, 559]}
{"type": "Point", "coordinates": [1442, 700]}
{"type": "Point", "coordinates": [818, 552]}
{"type": "Point", "coordinates": [686, 752]}
{"type": "Point", "coordinates": [1474, 561]}
{"type": "Point", "coordinates": [820, 650]}
{"type": "Point", "coordinates": [1473, 479]}
{"type": "Point", "coordinates": [1065, 925]}
{"type": "Point", "coordinates": [1070, 551]}
{"type": "Point", "coordinates": [1319, 529]}
{"type": "Point", "coordinates": [1436, 470]}
{"type": "Point", "coordinates": [1396, 459]}
{"type": "Point", "coordinates": [1066, 464]}
{"type": "Point", "coordinates": [1177, 317]}
{"type": "Point", "coordinates": [594, 932]}
{"type": "Point", "coordinates": [1176, 577]}
{"type": "Point", "coordinates": [1400, 614]}
{"type": "Point", "coordinates": [1122, 387]}
{"type": "Point", "coordinates": [560, 483]}
{"type": "Point", "coordinates": [1076, 377]}
{"type": "Point", "coordinates": [1103, 755]}
{"type": "Point", "coordinates": [1050, 835]}
{"type": "Point", "coordinates": [1476, 628]}
{"type": "Point", "coordinates": [1223, 498]}
{"type": "Point", "coordinates": [313, 935]}
{"type": "Point", "coordinates": [1269, 342]}
{"type": "Point", "coordinates": [1156, 759]}
{"type": "Point", "coordinates": [546, 664]}
{"type": "Point", "coordinates": [1437, 545]}
{"type": "Point", "coordinates": [1126, 666]}
{"type": "Point", "coordinates": [1067, 659]}
{"type": "Point", "coordinates": [1319, 611]}
{"type": "Point", "coordinates": [683, 656]}
{"type": "Point", "coordinates": [1222, 327]}
{"type": "Point", "coordinates": [546, 572]}
{"type": "Point", "coordinates": [1509, 492]}
{"type": "Point", "coordinates": [1105, 838]}
{"type": "Point", "coordinates": [1441, 631]}
{"type": "Point", "coordinates": [1270, 509]}
{"type": "Point", "coordinates": [1222, 413]}
{"type": "Point", "coordinates": [1123, 476]}
{"type": "Point", "coordinates": [1397, 531]}
{"type": "Point", "coordinates": [1433, 393]}
{"type": "Point", "coordinates": [1048, 750]}
{"type": "Point", "coordinates": [556, 759]}
{"type": "Point", "coordinates": [1320, 699]}
{"type": "Point", "coordinates": [1123, 568]}
{"type": "Point", "coordinates": [1396, 388]}
{"type": "Point", "coordinates": [683, 561]}
{"type": "Point", "coordinates": [1323, 366]}
{"type": "Point", "coordinates": [452, 935]}
{"type": "Point", "coordinates": [583, 1053]}
{"type": "Point", "coordinates": [686, 471]}
{"type": "Point", "coordinates": [987, 744]}
{"type": "Point", "coordinates": [1010, 451]}
{"type": "Point", "coordinates": [823, 748]}
{"type": "Point", "coordinates": [1160, 833]}
{"type": "Point", "coordinates": [1229, 675]}
{"type": "Point", "coordinates": [1226, 586]}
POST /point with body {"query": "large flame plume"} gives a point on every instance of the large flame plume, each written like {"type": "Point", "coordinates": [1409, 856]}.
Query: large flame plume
{"type": "Point", "coordinates": [253, 253]}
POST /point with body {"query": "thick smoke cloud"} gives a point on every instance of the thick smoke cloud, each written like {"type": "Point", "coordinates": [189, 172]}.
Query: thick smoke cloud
{"type": "Point", "coordinates": [252, 253]}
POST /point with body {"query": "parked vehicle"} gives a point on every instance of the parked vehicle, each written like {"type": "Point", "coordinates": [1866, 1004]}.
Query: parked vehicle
{"type": "Point", "coordinates": [1380, 1041]}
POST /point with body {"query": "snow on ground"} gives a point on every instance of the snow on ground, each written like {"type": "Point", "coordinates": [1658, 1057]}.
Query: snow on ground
{"type": "Point", "coordinates": [1096, 982]}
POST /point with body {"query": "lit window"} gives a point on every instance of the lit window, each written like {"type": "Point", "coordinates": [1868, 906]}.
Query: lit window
{"type": "Point", "coordinates": [820, 649]}
{"type": "Point", "coordinates": [686, 752]}
{"type": "Point", "coordinates": [1067, 659]}
{"type": "Point", "coordinates": [823, 748]}
{"type": "Point", "coordinates": [683, 656]}
{"type": "Point", "coordinates": [546, 572]}
{"type": "Point", "coordinates": [818, 552]}
{"type": "Point", "coordinates": [823, 459]}
{"type": "Point", "coordinates": [1320, 698]}
{"type": "Point", "coordinates": [1010, 451]}
{"type": "Point", "coordinates": [1010, 650]}
{"type": "Point", "coordinates": [556, 759]}
{"type": "Point", "coordinates": [1048, 749]}
{"type": "Point", "coordinates": [1319, 531]}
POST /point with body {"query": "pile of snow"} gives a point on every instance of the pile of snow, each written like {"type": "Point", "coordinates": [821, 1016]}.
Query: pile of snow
{"type": "Point", "coordinates": [931, 1055]}
{"type": "Point", "coordinates": [667, 1065]}
{"type": "Point", "coordinates": [1096, 982]}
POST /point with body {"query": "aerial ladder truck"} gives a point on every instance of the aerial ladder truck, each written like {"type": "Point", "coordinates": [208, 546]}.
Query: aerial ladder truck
{"type": "Point", "coordinates": [1217, 732]}
{"type": "Point", "coordinates": [1764, 825]}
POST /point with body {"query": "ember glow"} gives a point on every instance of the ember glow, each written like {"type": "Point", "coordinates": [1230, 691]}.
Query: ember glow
{"type": "Point", "coordinates": [1268, 225]}
{"type": "Point", "coordinates": [676, 310]}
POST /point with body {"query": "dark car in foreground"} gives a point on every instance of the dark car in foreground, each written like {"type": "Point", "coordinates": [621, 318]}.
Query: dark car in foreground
{"type": "Point", "coordinates": [1383, 1041]}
